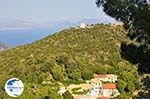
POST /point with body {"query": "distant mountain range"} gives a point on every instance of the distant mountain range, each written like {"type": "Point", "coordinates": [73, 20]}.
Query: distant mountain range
{"type": "Point", "coordinates": [24, 32]}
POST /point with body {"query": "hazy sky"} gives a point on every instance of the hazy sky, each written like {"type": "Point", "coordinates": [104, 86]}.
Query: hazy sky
{"type": "Point", "coordinates": [28, 13]}
{"type": "Point", "coordinates": [50, 9]}
{"type": "Point", "coordinates": [34, 14]}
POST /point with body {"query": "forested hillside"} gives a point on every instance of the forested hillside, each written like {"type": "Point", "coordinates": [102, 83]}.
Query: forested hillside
{"type": "Point", "coordinates": [69, 56]}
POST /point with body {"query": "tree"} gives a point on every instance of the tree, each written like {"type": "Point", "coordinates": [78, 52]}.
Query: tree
{"type": "Point", "coordinates": [52, 94]}
{"type": "Point", "coordinates": [58, 73]}
{"type": "Point", "coordinates": [121, 85]}
{"type": "Point", "coordinates": [128, 76]}
{"type": "Point", "coordinates": [47, 97]}
{"type": "Point", "coordinates": [131, 86]}
{"type": "Point", "coordinates": [87, 74]}
{"type": "Point", "coordinates": [122, 96]}
{"type": "Point", "coordinates": [106, 69]}
{"type": "Point", "coordinates": [75, 75]}
{"type": "Point", "coordinates": [127, 10]}
{"type": "Point", "coordinates": [62, 59]}
{"type": "Point", "coordinates": [67, 95]}
{"type": "Point", "coordinates": [133, 13]}
{"type": "Point", "coordinates": [146, 82]}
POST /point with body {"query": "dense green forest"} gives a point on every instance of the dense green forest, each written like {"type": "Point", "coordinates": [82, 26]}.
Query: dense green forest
{"type": "Point", "coordinates": [69, 56]}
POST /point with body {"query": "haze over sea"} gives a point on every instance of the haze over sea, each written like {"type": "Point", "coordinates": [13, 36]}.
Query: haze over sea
{"type": "Point", "coordinates": [26, 21]}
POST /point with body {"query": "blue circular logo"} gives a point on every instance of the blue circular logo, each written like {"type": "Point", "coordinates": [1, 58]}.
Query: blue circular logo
{"type": "Point", "coordinates": [14, 87]}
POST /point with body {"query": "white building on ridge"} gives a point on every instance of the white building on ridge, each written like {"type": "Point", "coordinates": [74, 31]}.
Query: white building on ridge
{"type": "Point", "coordinates": [82, 25]}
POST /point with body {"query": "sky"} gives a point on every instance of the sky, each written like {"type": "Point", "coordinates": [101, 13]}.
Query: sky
{"type": "Point", "coordinates": [31, 12]}
{"type": "Point", "coordinates": [25, 21]}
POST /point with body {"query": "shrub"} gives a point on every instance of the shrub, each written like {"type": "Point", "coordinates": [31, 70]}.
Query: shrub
{"type": "Point", "coordinates": [67, 95]}
{"type": "Point", "coordinates": [87, 74]}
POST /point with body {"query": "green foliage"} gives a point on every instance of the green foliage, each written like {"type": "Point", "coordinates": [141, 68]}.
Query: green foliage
{"type": "Point", "coordinates": [128, 81]}
{"type": "Point", "coordinates": [135, 16]}
{"type": "Point", "coordinates": [146, 82]}
{"type": "Point", "coordinates": [79, 91]}
{"type": "Point", "coordinates": [128, 76]}
{"type": "Point", "coordinates": [142, 95]}
{"type": "Point", "coordinates": [121, 85]}
{"type": "Point", "coordinates": [70, 56]}
{"type": "Point", "coordinates": [87, 74]}
{"type": "Point", "coordinates": [75, 76]}
{"type": "Point", "coordinates": [106, 69]}
{"type": "Point", "coordinates": [130, 86]}
{"type": "Point", "coordinates": [47, 97]}
{"type": "Point", "coordinates": [134, 13]}
{"type": "Point", "coordinates": [53, 95]}
{"type": "Point", "coordinates": [75, 89]}
{"type": "Point", "coordinates": [67, 82]}
{"type": "Point", "coordinates": [122, 96]}
{"type": "Point", "coordinates": [62, 59]}
{"type": "Point", "coordinates": [58, 73]}
{"type": "Point", "coordinates": [67, 95]}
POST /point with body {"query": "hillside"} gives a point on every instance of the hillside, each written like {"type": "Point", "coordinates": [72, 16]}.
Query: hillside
{"type": "Point", "coordinates": [69, 55]}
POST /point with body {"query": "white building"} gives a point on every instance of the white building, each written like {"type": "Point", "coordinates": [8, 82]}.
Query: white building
{"type": "Point", "coordinates": [118, 24]}
{"type": "Point", "coordinates": [104, 90]}
{"type": "Point", "coordinates": [62, 90]}
{"type": "Point", "coordinates": [110, 90]}
{"type": "Point", "coordinates": [111, 78]}
{"type": "Point", "coordinates": [82, 25]}
{"type": "Point", "coordinates": [108, 77]}
{"type": "Point", "coordinates": [96, 89]}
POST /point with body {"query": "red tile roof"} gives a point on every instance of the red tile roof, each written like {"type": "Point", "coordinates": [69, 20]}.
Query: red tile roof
{"type": "Point", "coordinates": [103, 98]}
{"type": "Point", "coordinates": [109, 86]}
{"type": "Point", "coordinates": [99, 76]}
